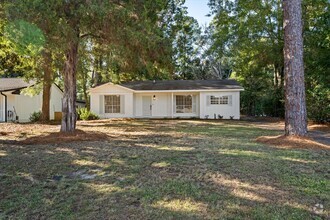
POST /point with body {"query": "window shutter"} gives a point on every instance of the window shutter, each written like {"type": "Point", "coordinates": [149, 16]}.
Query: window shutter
{"type": "Point", "coordinates": [208, 100]}
{"type": "Point", "coordinates": [194, 104]}
{"type": "Point", "coordinates": [101, 108]}
{"type": "Point", "coordinates": [122, 104]}
{"type": "Point", "coordinates": [230, 100]}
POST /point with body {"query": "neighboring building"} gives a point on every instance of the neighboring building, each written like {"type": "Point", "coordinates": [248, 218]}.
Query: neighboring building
{"type": "Point", "coordinates": [168, 99]}
{"type": "Point", "coordinates": [14, 105]}
{"type": "Point", "coordinates": [80, 103]}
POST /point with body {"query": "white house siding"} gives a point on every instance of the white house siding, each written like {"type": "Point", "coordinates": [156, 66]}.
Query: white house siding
{"type": "Point", "coordinates": [226, 111]}
{"type": "Point", "coordinates": [163, 103]}
{"type": "Point", "coordinates": [25, 105]}
{"type": "Point", "coordinates": [161, 107]}
{"type": "Point", "coordinates": [2, 108]}
{"type": "Point", "coordinates": [56, 96]}
{"type": "Point", "coordinates": [97, 101]}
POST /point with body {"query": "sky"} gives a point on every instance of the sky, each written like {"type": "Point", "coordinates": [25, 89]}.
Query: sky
{"type": "Point", "coordinates": [198, 9]}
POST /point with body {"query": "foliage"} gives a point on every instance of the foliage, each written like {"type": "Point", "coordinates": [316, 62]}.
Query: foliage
{"type": "Point", "coordinates": [318, 102]}
{"type": "Point", "coordinates": [317, 66]}
{"type": "Point", "coordinates": [85, 114]}
{"type": "Point", "coordinates": [27, 37]}
{"type": "Point", "coordinates": [127, 33]}
{"type": "Point", "coordinates": [12, 62]}
{"type": "Point", "coordinates": [250, 34]}
{"type": "Point", "coordinates": [35, 116]}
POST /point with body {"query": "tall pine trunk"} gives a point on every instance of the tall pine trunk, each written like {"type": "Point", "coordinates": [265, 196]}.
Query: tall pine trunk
{"type": "Point", "coordinates": [69, 114]}
{"type": "Point", "coordinates": [47, 83]}
{"type": "Point", "coordinates": [295, 103]}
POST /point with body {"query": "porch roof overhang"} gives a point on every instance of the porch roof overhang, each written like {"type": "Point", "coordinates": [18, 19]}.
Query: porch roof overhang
{"type": "Point", "coordinates": [163, 86]}
{"type": "Point", "coordinates": [188, 91]}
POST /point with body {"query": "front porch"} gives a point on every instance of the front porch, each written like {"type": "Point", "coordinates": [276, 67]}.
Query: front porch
{"type": "Point", "coordinates": [167, 105]}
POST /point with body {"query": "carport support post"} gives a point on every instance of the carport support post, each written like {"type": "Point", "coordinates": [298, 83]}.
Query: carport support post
{"type": "Point", "coordinates": [172, 105]}
{"type": "Point", "coordinates": [5, 105]}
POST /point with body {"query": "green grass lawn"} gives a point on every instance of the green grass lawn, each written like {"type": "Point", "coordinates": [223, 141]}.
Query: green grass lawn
{"type": "Point", "coordinates": [163, 169]}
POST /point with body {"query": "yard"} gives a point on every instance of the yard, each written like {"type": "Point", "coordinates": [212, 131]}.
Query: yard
{"type": "Point", "coordinates": [160, 169]}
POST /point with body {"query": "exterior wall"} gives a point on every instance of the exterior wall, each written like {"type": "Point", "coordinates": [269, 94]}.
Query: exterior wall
{"type": "Point", "coordinates": [80, 105]}
{"type": "Point", "coordinates": [97, 104]}
{"type": "Point", "coordinates": [25, 105]}
{"type": "Point", "coordinates": [225, 110]}
{"type": "Point", "coordinates": [56, 96]}
{"type": "Point", "coordinates": [2, 108]}
{"type": "Point", "coordinates": [163, 105]}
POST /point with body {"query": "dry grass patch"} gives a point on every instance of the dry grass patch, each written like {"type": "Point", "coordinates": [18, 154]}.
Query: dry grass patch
{"type": "Point", "coordinates": [158, 169]}
{"type": "Point", "coordinates": [319, 127]}
{"type": "Point", "coordinates": [292, 142]}
{"type": "Point", "coordinates": [54, 137]}
{"type": "Point", "coordinates": [65, 137]}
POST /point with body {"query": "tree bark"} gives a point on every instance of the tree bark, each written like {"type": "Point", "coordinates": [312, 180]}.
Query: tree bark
{"type": "Point", "coordinates": [47, 83]}
{"type": "Point", "coordinates": [69, 114]}
{"type": "Point", "coordinates": [295, 103]}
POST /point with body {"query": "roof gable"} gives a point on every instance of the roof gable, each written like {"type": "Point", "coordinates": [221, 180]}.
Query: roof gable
{"type": "Point", "coordinates": [105, 87]}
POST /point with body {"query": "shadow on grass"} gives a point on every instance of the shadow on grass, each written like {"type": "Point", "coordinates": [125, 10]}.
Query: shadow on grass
{"type": "Point", "coordinates": [158, 175]}
{"type": "Point", "coordinates": [59, 137]}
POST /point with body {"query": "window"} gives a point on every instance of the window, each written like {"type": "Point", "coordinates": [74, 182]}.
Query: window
{"type": "Point", "coordinates": [184, 104]}
{"type": "Point", "coordinates": [221, 100]}
{"type": "Point", "coordinates": [112, 103]}
{"type": "Point", "coordinates": [214, 100]}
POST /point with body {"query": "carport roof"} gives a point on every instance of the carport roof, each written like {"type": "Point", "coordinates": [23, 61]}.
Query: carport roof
{"type": "Point", "coordinates": [9, 84]}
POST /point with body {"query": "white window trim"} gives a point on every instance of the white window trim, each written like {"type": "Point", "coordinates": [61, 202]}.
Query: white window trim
{"type": "Point", "coordinates": [193, 105]}
{"type": "Point", "coordinates": [220, 100]}
{"type": "Point", "coordinates": [112, 106]}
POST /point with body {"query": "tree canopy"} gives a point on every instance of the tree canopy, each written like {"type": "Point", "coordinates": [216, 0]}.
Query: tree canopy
{"type": "Point", "coordinates": [94, 41]}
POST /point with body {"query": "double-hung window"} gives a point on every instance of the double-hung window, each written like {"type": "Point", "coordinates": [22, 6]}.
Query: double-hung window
{"type": "Point", "coordinates": [184, 104]}
{"type": "Point", "coordinates": [112, 103]}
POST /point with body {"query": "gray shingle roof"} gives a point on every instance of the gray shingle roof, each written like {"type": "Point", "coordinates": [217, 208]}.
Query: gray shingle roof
{"type": "Point", "coordinates": [9, 84]}
{"type": "Point", "coordinates": [183, 85]}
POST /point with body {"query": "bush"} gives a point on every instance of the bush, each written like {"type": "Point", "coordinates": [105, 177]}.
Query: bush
{"type": "Point", "coordinates": [318, 104]}
{"type": "Point", "coordinates": [85, 114]}
{"type": "Point", "coordinates": [35, 116]}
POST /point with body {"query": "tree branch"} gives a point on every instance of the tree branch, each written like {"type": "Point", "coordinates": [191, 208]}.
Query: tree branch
{"type": "Point", "coordinates": [89, 35]}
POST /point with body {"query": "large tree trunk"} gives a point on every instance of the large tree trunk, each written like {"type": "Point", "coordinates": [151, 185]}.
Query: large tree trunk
{"type": "Point", "coordinates": [70, 94]}
{"type": "Point", "coordinates": [295, 104]}
{"type": "Point", "coordinates": [47, 83]}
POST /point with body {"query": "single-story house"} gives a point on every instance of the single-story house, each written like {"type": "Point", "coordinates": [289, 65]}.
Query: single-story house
{"type": "Point", "coordinates": [211, 99]}
{"type": "Point", "coordinates": [15, 105]}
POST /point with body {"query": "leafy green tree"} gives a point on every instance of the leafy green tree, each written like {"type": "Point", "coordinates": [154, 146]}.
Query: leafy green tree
{"type": "Point", "coordinates": [129, 28]}
{"type": "Point", "coordinates": [251, 35]}
{"type": "Point", "coordinates": [316, 15]}
{"type": "Point", "coordinates": [12, 62]}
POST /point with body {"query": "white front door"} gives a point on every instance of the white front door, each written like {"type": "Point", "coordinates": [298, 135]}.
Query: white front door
{"type": "Point", "coordinates": [146, 106]}
{"type": "Point", "coordinates": [2, 108]}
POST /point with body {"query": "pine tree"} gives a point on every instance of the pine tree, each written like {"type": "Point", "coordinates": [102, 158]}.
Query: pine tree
{"type": "Point", "coordinates": [295, 103]}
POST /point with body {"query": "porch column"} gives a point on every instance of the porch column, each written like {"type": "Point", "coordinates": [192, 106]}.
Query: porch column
{"type": "Point", "coordinates": [172, 105]}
